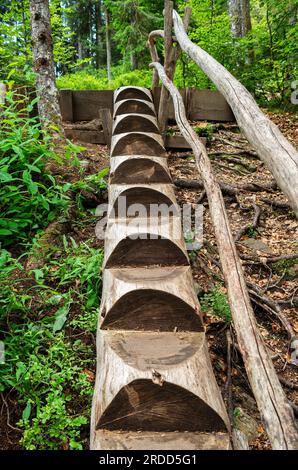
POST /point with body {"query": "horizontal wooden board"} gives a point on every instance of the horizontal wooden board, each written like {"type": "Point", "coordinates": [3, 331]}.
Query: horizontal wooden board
{"type": "Point", "coordinates": [97, 137]}
{"type": "Point", "coordinates": [91, 137]}
{"type": "Point", "coordinates": [208, 105]}
{"type": "Point", "coordinates": [84, 105]}
{"type": "Point", "coordinates": [178, 142]}
{"type": "Point", "coordinates": [156, 97]}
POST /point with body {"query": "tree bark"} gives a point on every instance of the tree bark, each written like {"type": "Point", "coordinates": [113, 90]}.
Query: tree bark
{"type": "Point", "coordinates": [239, 12]}
{"type": "Point", "coordinates": [264, 136]}
{"type": "Point", "coordinates": [42, 45]}
{"type": "Point", "coordinates": [163, 110]}
{"type": "Point", "coordinates": [153, 366]}
{"type": "Point", "coordinates": [98, 26]}
{"type": "Point", "coordinates": [272, 402]}
{"type": "Point", "coordinates": [108, 44]}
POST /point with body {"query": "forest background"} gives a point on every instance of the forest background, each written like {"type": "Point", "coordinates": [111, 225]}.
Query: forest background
{"type": "Point", "coordinates": [255, 40]}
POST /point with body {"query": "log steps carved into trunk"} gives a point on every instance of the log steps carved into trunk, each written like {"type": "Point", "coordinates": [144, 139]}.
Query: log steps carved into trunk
{"type": "Point", "coordinates": [139, 169]}
{"type": "Point", "coordinates": [130, 143]}
{"type": "Point", "coordinates": [134, 122]}
{"type": "Point", "coordinates": [153, 368]}
{"type": "Point", "coordinates": [132, 92]}
{"type": "Point", "coordinates": [134, 106]}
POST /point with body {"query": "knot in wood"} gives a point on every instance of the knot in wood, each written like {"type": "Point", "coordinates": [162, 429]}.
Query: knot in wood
{"type": "Point", "coordinates": [44, 36]}
{"type": "Point", "coordinates": [41, 62]}
{"type": "Point", "coordinates": [157, 378]}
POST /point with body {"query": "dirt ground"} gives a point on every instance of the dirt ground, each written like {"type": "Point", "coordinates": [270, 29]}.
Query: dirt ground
{"type": "Point", "coordinates": [275, 234]}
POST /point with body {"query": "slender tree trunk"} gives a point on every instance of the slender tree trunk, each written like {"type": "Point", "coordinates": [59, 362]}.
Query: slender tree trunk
{"type": "Point", "coordinates": [108, 44]}
{"type": "Point", "coordinates": [234, 13]}
{"type": "Point", "coordinates": [239, 11]}
{"type": "Point", "coordinates": [133, 22]}
{"type": "Point", "coordinates": [48, 104]}
{"type": "Point", "coordinates": [80, 48]}
{"type": "Point", "coordinates": [245, 17]}
{"type": "Point", "coordinates": [133, 61]}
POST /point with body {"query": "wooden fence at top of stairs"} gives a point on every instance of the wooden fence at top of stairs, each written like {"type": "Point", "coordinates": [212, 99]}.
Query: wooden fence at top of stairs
{"type": "Point", "coordinates": [155, 388]}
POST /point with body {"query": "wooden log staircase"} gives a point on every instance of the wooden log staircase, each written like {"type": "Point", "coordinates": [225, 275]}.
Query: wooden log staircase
{"type": "Point", "coordinates": [155, 388]}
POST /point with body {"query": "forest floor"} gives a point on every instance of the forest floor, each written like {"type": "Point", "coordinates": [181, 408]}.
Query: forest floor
{"type": "Point", "coordinates": [274, 281]}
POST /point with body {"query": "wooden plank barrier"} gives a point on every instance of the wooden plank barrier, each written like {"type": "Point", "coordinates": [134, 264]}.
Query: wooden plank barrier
{"type": "Point", "coordinates": [83, 105]}
{"type": "Point", "coordinates": [155, 387]}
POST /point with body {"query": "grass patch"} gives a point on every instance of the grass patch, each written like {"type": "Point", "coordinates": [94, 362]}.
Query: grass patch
{"type": "Point", "coordinates": [217, 303]}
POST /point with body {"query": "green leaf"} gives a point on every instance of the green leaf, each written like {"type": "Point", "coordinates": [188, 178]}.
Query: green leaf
{"type": "Point", "coordinates": [61, 315]}
{"type": "Point", "coordinates": [27, 411]}
{"type": "Point", "coordinates": [21, 369]}
{"type": "Point", "coordinates": [4, 231]}
{"type": "Point", "coordinates": [5, 177]}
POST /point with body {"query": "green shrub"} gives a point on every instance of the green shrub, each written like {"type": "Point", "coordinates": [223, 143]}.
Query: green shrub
{"type": "Point", "coordinates": [84, 80]}
{"type": "Point", "coordinates": [30, 196]}
{"type": "Point", "coordinates": [97, 79]}
{"type": "Point", "coordinates": [205, 131]}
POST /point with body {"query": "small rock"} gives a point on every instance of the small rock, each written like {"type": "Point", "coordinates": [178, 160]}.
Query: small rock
{"type": "Point", "coordinates": [256, 245]}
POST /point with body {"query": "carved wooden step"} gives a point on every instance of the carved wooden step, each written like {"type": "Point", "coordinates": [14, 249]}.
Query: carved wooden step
{"type": "Point", "coordinates": [136, 143]}
{"type": "Point", "coordinates": [142, 200]}
{"type": "Point", "coordinates": [166, 384]}
{"type": "Point", "coordinates": [156, 299]}
{"type": "Point", "coordinates": [135, 92]}
{"type": "Point", "coordinates": [138, 169]}
{"type": "Point", "coordinates": [144, 242]}
{"type": "Point", "coordinates": [134, 123]}
{"type": "Point", "coordinates": [134, 106]}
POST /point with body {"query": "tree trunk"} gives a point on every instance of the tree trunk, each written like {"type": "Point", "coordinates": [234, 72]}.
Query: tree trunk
{"type": "Point", "coordinates": [272, 402]}
{"type": "Point", "coordinates": [108, 44]}
{"type": "Point", "coordinates": [264, 136]}
{"type": "Point", "coordinates": [245, 17]}
{"type": "Point", "coordinates": [234, 13]}
{"type": "Point", "coordinates": [98, 25]}
{"type": "Point", "coordinates": [240, 24]}
{"type": "Point", "coordinates": [133, 61]}
{"type": "Point", "coordinates": [48, 104]}
{"type": "Point", "coordinates": [153, 366]}
{"type": "Point", "coordinates": [171, 57]}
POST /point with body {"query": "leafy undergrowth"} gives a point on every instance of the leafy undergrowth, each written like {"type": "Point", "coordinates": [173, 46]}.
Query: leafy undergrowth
{"type": "Point", "coordinates": [49, 350]}
{"type": "Point", "coordinates": [30, 196]}
{"type": "Point", "coordinates": [50, 289]}
{"type": "Point", "coordinates": [97, 80]}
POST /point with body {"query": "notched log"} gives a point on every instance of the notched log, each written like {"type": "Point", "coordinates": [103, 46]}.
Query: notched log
{"type": "Point", "coordinates": [41, 62]}
{"type": "Point", "coordinates": [137, 143]}
{"type": "Point", "coordinates": [132, 92]}
{"type": "Point", "coordinates": [134, 106]}
{"type": "Point", "coordinates": [139, 169]}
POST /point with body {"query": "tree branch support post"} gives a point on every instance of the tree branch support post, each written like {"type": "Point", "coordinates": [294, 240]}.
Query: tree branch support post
{"type": "Point", "coordinates": [171, 57]}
